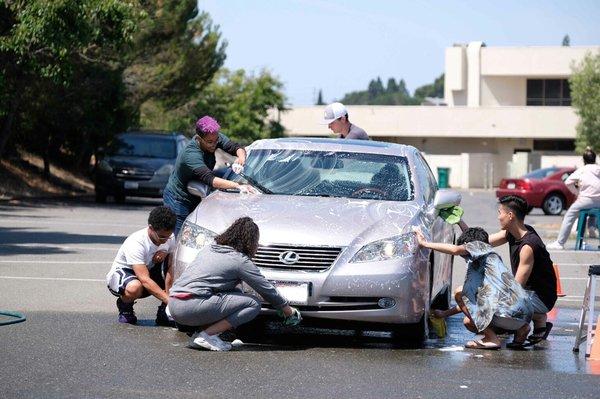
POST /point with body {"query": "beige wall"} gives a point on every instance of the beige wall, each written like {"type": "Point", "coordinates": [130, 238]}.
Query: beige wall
{"type": "Point", "coordinates": [423, 121]}
{"type": "Point", "coordinates": [531, 61]}
{"type": "Point", "coordinates": [503, 91]}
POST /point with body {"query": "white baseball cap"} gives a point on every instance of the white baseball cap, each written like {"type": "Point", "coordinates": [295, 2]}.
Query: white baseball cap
{"type": "Point", "coordinates": [332, 112]}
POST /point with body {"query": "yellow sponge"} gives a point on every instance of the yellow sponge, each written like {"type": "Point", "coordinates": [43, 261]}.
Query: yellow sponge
{"type": "Point", "coordinates": [438, 325]}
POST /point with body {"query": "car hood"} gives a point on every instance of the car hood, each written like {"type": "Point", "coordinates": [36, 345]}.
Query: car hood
{"type": "Point", "coordinates": [308, 220]}
{"type": "Point", "coordinates": [120, 161]}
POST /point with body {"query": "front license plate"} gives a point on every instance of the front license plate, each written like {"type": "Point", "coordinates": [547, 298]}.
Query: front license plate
{"type": "Point", "coordinates": [131, 185]}
{"type": "Point", "coordinates": [510, 185]}
{"type": "Point", "coordinates": [295, 293]}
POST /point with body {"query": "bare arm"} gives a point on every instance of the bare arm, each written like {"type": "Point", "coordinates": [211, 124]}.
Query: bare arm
{"type": "Point", "coordinates": [142, 273]}
{"type": "Point", "coordinates": [463, 226]}
{"type": "Point", "coordinates": [525, 265]}
{"type": "Point", "coordinates": [224, 184]}
{"type": "Point", "coordinates": [169, 275]}
{"type": "Point", "coordinates": [439, 246]}
{"type": "Point", "coordinates": [497, 239]}
{"type": "Point", "coordinates": [241, 156]}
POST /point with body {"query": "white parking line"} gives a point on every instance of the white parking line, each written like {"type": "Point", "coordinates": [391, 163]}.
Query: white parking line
{"type": "Point", "coordinates": [87, 248]}
{"type": "Point", "coordinates": [58, 262]}
{"type": "Point", "coordinates": [51, 278]}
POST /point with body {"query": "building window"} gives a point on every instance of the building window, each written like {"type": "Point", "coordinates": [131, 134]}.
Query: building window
{"type": "Point", "coordinates": [548, 92]}
{"type": "Point", "coordinates": [554, 145]}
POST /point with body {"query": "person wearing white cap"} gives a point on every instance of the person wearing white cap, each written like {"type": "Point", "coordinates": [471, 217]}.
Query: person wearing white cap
{"type": "Point", "coordinates": [336, 118]}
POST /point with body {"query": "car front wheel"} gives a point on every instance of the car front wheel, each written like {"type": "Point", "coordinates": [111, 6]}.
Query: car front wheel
{"type": "Point", "coordinates": [411, 335]}
{"type": "Point", "coordinates": [553, 204]}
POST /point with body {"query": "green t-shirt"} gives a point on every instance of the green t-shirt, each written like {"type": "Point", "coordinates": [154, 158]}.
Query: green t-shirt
{"type": "Point", "coordinates": [195, 164]}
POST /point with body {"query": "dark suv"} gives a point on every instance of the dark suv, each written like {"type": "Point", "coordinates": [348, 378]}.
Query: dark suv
{"type": "Point", "coordinates": [137, 164]}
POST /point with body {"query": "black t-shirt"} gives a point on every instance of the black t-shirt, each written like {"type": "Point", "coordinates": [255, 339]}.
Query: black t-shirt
{"type": "Point", "coordinates": [542, 279]}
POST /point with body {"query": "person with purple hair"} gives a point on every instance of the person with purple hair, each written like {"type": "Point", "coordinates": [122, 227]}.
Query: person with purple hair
{"type": "Point", "coordinates": [196, 162]}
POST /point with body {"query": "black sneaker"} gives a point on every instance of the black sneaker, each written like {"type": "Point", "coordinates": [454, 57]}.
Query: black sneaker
{"type": "Point", "coordinates": [161, 317]}
{"type": "Point", "coordinates": [126, 313]}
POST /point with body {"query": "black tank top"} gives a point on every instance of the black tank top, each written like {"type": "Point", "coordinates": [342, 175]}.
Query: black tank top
{"type": "Point", "coordinates": [542, 279]}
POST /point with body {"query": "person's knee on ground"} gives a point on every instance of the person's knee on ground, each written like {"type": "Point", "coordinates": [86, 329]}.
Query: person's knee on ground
{"type": "Point", "coordinates": [132, 291]}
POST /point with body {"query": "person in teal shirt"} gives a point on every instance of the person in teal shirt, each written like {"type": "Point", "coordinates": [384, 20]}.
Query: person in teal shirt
{"type": "Point", "coordinates": [196, 162]}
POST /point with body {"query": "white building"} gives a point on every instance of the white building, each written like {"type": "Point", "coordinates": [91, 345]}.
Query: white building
{"type": "Point", "coordinates": [508, 111]}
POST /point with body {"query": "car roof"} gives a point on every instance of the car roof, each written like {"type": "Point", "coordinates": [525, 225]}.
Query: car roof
{"type": "Point", "coordinates": [338, 145]}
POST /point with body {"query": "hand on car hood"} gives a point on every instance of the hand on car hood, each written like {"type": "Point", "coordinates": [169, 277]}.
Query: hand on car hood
{"type": "Point", "coordinates": [307, 220]}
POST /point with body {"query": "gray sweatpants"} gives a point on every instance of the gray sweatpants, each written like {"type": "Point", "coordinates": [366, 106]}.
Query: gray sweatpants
{"type": "Point", "coordinates": [235, 307]}
{"type": "Point", "coordinates": [572, 215]}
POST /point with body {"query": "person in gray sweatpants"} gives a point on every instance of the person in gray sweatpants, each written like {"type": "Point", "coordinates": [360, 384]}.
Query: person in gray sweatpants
{"type": "Point", "coordinates": [206, 293]}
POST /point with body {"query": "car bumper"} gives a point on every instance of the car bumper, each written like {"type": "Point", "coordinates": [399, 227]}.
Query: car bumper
{"type": "Point", "coordinates": [136, 188]}
{"type": "Point", "coordinates": [352, 291]}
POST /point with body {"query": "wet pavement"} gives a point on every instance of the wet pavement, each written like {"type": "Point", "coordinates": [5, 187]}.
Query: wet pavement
{"type": "Point", "coordinates": [53, 258]}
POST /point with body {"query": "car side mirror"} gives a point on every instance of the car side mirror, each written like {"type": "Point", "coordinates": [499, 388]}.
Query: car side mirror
{"type": "Point", "coordinates": [446, 198]}
{"type": "Point", "coordinates": [198, 189]}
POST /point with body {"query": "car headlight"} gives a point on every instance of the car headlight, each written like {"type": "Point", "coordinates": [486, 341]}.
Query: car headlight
{"type": "Point", "coordinates": [165, 170]}
{"type": "Point", "coordinates": [400, 246]}
{"type": "Point", "coordinates": [192, 239]}
{"type": "Point", "coordinates": [196, 237]}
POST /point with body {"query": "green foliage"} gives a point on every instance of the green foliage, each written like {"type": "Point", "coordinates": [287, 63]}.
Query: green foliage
{"type": "Point", "coordinates": [60, 69]}
{"type": "Point", "coordinates": [585, 98]}
{"type": "Point", "coordinates": [320, 98]}
{"type": "Point", "coordinates": [566, 41]}
{"type": "Point", "coordinates": [394, 93]}
{"type": "Point", "coordinates": [241, 103]}
{"type": "Point", "coordinates": [176, 53]}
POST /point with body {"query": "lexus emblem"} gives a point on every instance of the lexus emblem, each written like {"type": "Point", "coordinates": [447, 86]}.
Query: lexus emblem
{"type": "Point", "coordinates": [289, 257]}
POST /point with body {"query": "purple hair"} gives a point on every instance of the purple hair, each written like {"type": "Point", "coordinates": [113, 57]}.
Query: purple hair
{"type": "Point", "coordinates": [207, 125]}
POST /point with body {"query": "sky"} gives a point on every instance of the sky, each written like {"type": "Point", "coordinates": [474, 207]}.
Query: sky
{"type": "Point", "coordinates": [339, 46]}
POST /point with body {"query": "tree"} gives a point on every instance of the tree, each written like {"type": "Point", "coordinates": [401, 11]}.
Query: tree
{"type": "Point", "coordinates": [320, 98]}
{"type": "Point", "coordinates": [566, 41]}
{"type": "Point", "coordinates": [241, 103]}
{"type": "Point", "coordinates": [585, 97]}
{"type": "Point", "coordinates": [176, 53]}
{"type": "Point", "coordinates": [436, 89]}
{"type": "Point", "coordinates": [392, 86]}
{"type": "Point", "coordinates": [43, 46]}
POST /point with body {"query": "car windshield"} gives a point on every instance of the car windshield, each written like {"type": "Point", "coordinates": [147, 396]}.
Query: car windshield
{"type": "Point", "coordinates": [540, 173]}
{"type": "Point", "coordinates": [330, 174]}
{"type": "Point", "coordinates": [143, 146]}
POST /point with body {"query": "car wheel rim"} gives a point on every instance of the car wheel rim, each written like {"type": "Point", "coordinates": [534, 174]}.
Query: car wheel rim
{"type": "Point", "coordinates": [554, 205]}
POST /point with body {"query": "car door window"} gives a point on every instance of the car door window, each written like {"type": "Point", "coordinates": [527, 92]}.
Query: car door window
{"type": "Point", "coordinates": [425, 178]}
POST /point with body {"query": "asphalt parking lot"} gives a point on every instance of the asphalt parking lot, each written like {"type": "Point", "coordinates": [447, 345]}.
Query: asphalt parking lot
{"type": "Point", "coordinates": [53, 259]}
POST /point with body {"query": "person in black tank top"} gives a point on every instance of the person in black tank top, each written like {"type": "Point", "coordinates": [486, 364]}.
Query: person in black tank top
{"type": "Point", "coordinates": [529, 259]}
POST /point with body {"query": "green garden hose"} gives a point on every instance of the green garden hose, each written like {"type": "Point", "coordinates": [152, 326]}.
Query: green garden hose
{"type": "Point", "coordinates": [15, 317]}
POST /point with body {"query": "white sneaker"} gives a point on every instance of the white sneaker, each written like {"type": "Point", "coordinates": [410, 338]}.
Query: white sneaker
{"type": "Point", "coordinates": [210, 342]}
{"type": "Point", "coordinates": [555, 245]}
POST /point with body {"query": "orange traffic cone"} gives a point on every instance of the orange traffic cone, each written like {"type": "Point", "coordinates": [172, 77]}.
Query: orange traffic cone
{"type": "Point", "coordinates": [559, 290]}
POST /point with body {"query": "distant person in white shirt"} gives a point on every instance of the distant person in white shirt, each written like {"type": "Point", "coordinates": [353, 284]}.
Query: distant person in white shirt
{"type": "Point", "coordinates": [586, 180]}
{"type": "Point", "coordinates": [336, 118]}
{"type": "Point", "coordinates": [143, 266]}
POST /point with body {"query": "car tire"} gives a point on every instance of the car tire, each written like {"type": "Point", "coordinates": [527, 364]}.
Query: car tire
{"type": "Point", "coordinates": [252, 330]}
{"type": "Point", "coordinates": [412, 335]}
{"type": "Point", "coordinates": [100, 197]}
{"type": "Point", "coordinates": [553, 204]}
{"type": "Point", "coordinates": [529, 209]}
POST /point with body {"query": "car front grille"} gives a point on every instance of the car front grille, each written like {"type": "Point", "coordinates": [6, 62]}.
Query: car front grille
{"type": "Point", "coordinates": [134, 173]}
{"type": "Point", "coordinates": [306, 258]}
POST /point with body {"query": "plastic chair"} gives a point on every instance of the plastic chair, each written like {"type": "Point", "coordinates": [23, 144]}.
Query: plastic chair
{"type": "Point", "coordinates": [581, 224]}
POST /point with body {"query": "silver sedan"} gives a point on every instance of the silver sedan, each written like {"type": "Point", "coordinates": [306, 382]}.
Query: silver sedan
{"type": "Point", "coordinates": [337, 221]}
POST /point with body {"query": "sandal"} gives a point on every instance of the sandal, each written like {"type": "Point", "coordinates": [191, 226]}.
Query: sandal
{"type": "Point", "coordinates": [518, 346]}
{"type": "Point", "coordinates": [479, 344]}
{"type": "Point", "coordinates": [540, 334]}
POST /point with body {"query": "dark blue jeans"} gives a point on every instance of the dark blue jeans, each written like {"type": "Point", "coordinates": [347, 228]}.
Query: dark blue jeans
{"type": "Point", "coordinates": [181, 208]}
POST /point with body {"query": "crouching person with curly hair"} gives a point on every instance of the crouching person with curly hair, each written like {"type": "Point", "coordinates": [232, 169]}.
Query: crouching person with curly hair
{"type": "Point", "coordinates": [206, 295]}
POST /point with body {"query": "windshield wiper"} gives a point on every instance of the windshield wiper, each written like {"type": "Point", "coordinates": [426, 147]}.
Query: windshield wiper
{"type": "Point", "coordinates": [256, 184]}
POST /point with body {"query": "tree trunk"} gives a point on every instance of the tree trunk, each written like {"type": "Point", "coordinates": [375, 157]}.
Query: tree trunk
{"type": "Point", "coordinates": [46, 173]}
{"type": "Point", "coordinates": [7, 125]}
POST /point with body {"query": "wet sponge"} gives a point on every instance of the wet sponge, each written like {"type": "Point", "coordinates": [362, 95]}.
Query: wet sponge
{"type": "Point", "coordinates": [452, 214]}
{"type": "Point", "coordinates": [438, 325]}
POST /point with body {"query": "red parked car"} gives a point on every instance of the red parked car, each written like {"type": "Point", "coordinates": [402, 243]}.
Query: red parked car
{"type": "Point", "coordinates": [542, 188]}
